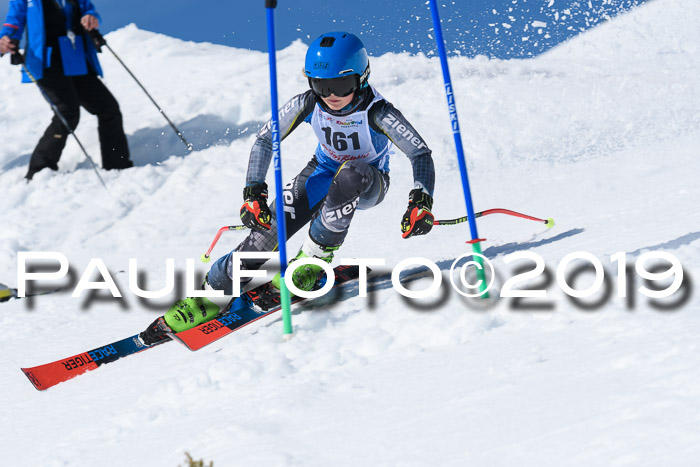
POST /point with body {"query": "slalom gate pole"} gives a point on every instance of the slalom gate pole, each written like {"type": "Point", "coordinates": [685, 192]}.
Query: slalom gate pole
{"type": "Point", "coordinates": [99, 41]}
{"type": "Point", "coordinates": [63, 120]}
{"type": "Point", "coordinates": [549, 222]}
{"type": "Point", "coordinates": [6, 293]}
{"type": "Point", "coordinates": [285, 299]}
{"type": "Point", "coordinates": [451, 105]}
{"type": "Point", "coordinates": [206, 257]}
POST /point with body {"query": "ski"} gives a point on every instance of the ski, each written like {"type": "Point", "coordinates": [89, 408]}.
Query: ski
{"type": "Point", "coordinates": [240, 312]}
{"type": "Point", "coordinates": [245, 310]}
{"type": "Point", "coordinates": [51, 374]}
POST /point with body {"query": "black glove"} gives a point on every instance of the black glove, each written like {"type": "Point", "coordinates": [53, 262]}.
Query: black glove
{"type": "Point", "coordinates": [16, 58]}
{"type": "Point", "coordinates": [98, 39]}
{"type": "Point", "coordinates": [418, 219]}
{"type": "Point", "coordinates": [254, 213]}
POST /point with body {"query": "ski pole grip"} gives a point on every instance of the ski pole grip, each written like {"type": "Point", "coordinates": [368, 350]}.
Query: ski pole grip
{"type": "Point", "coordinates": [97, 39]}
{"type": "Point", "coordinates": [270, 3]}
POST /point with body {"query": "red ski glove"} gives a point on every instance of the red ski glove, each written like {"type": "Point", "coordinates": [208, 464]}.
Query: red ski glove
{"type": "Point", "coordinates": [418, 220]}
{"type": "Point", "coordinates": [254, 213]}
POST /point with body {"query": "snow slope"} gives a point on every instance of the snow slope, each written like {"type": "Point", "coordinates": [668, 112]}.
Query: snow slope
{"type": "Point", "coordinates": [601, 134]}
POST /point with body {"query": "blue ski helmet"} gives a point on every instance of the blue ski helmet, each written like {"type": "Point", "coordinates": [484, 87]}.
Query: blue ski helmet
{"type": "Point", "coordinates": [336, 55]}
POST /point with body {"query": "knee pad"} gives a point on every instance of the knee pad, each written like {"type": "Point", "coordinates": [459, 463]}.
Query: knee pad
{"type": "Point", "coordinates": [352, 179]}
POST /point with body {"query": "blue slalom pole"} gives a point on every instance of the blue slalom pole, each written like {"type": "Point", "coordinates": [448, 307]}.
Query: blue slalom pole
{"type": "Point", "coordinates": [285, 299]}
{"type": "Point", "coordinates": [452, 107]}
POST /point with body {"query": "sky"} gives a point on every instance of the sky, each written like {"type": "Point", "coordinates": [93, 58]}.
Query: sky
{"type": "Point", "coordinates": [494, 28]}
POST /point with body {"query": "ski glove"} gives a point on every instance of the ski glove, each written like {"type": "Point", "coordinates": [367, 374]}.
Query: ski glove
{"type": "Point", "coordinates": [418, 219]}
{"type": "Point", "coordinates": [254, 213]}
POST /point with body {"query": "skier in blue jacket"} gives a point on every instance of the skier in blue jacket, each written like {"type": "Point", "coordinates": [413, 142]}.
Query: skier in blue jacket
{"type": "Point", "coordinates": [356, 129]}
{"type": "Point", "coordinates": [63, 61]}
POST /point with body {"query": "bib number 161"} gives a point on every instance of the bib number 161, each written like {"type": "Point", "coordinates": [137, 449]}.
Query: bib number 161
{"type": "Point", "coordinates": [339, 140]}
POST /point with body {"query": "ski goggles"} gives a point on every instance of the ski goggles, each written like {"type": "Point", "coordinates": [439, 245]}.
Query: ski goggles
{"type": "Point", "coordinates": [340, 87]}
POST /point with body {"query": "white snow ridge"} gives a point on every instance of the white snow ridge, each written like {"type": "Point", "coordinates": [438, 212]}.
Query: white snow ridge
{"type": "Point", "coordinates": [602, 133]}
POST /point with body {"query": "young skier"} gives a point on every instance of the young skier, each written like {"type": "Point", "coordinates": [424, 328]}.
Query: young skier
{"type": "Point", "coordinates": [349, 170]}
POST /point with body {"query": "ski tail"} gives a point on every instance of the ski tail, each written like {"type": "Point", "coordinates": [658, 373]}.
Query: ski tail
{"type": "Point", "coordinates": [236, 317]}
{"type": "Point", "coordinates": [50, 374]}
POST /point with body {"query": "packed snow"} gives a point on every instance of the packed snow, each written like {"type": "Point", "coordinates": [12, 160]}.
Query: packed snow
{"type": "Point", "coordinates": [601, 134]}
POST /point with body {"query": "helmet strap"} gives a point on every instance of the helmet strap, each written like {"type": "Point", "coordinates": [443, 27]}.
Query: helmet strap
{"type": "Point", "coordinates": [364, 77]}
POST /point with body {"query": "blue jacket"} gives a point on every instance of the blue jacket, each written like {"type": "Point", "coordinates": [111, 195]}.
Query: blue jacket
{"type": "Point", "coordinates": [29, 14]}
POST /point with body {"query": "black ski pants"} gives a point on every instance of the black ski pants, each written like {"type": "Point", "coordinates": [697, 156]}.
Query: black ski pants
{"type": "Point", "coordinates": [68, 94]}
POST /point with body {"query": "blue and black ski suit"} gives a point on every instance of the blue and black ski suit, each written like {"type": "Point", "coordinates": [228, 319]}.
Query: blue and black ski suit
{"type": "Point", "coordinates": [348, 171]}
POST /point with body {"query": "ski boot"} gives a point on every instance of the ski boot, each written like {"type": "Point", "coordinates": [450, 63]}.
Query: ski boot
{"type": "Point", "coordinates": [306, 277]}
{"type": "Point", "coordinates": [183, 315]}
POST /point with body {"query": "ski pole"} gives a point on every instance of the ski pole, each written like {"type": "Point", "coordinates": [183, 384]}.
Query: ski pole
{"type": "Point", "coordinates": [285, 298]}
{"type": "Point", "coordinates": [452, 108]}
{"type": "Point", "coordinates": [60, 116]}
{"type": "Point", "coordinates": [99, 41]}
{"type": "Point", "coordinates": [549, 222]}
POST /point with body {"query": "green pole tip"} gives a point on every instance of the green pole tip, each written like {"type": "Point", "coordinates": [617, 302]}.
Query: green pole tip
{"type": "Point", "coordinates": [549, 223]}
{"type": "Point", "coordinates": [205, 258]}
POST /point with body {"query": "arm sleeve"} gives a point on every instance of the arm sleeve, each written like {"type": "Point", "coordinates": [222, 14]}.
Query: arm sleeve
{"type": "Point", "coordinates": [16, 19]}
{"type": "Point", "coordinates": [386, 119]}
{"type": "Point", "coordinates": [290, 116]}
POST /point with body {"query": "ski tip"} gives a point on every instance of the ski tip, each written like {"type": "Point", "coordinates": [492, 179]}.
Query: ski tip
{"type": "Point", "coordinates": [32, 379]}
{"type": "Point", "coordinates": [549, 223]}
{"type": "Point", "coordinates": [205, 258]}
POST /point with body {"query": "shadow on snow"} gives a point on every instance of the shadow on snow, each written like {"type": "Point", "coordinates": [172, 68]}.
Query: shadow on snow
{"type": "Point", "coordinates": [152, 146]}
